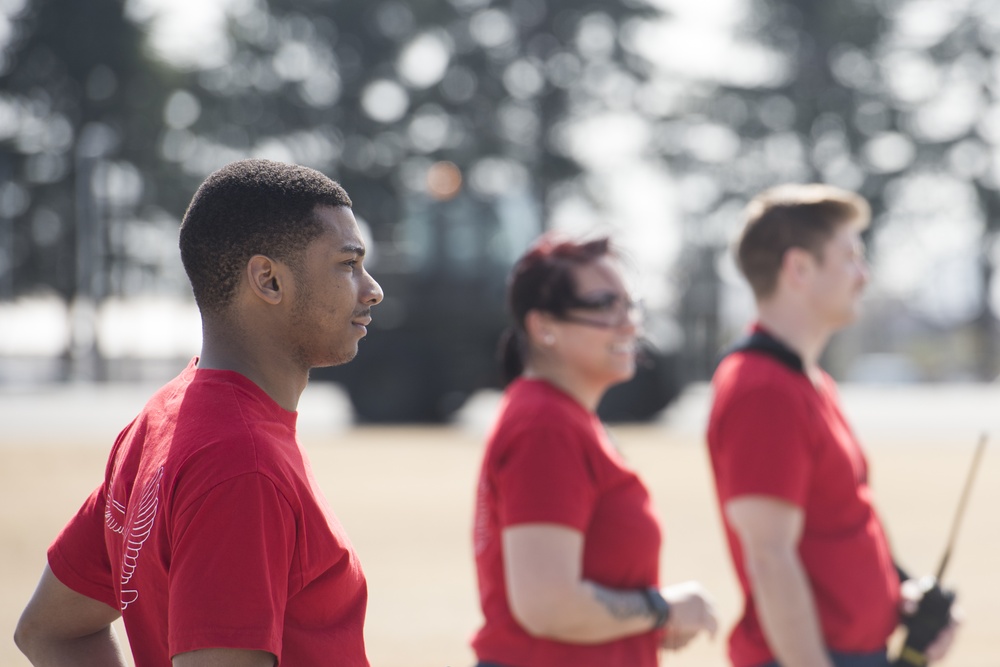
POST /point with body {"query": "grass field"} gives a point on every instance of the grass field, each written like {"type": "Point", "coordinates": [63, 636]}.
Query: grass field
{"type": "Point", "coordinates": [405, 496]}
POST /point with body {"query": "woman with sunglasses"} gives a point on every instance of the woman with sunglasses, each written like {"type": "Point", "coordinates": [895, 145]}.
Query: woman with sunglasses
{"type": "Point", "coordinates": [567, 543]}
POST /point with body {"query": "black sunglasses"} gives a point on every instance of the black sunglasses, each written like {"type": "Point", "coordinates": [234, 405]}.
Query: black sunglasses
{"type": "Point", "coordinates": [614, 310]}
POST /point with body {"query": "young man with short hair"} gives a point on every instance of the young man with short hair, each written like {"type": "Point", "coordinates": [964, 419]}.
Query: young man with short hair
{"type": "Point", "coordinates": [209, 534]}
{"type": "Point", "coordinates": [820, 585]}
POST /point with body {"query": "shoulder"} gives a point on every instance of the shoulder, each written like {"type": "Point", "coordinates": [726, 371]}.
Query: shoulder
{"type": "Point", "coordinates": [751, 388]}
{"type": "Point", "coordinates": [215, 430]}
{"type": "Point", "coordinates": [534, 411]}
{"type": "Point", "coordinates": [538, 404]}
{"type": "Point", "coordinates": [752, 372]}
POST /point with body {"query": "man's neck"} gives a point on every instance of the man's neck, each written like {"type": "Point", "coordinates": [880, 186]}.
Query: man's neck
{"type": "Point", "coordinates": [796, 329]}
{"type": "Point", "coordinates": [279, 377]}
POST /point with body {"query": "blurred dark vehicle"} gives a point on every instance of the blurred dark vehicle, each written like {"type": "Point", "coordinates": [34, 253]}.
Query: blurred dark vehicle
{"type": "Point", "coordinates": [433, 340]}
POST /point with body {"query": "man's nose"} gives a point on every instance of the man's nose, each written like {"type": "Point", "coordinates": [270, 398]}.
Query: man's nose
{"type": "Point", "coordinates": [865, 271]}
{"type": "Point", "coordinates": [373, 294]}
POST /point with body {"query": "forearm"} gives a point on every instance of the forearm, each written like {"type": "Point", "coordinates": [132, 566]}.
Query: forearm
{"type": "Point", "coordinates": [550, 598]}
{"type": "Point", "coordinates": [100, 649]}
{"type": "Point", "coordinates": [589, 613]}
{"type": "Point", "coordinates": [787, 610]}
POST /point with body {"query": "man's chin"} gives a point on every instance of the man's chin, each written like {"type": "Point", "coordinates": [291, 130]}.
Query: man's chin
{"type": "Point", "coordinates": [338, 360]}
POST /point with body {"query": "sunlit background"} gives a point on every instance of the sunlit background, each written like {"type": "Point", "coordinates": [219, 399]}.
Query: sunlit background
{"type": "Point", "coordinates": [462, 129]}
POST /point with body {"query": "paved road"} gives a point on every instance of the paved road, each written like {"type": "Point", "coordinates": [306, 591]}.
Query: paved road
{"type": "Point", "coordinates": [903, 413]}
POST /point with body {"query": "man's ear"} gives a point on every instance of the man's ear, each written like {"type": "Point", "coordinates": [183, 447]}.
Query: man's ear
{"type": "Point", "coordinates": [797, 264]}
{"type": "Point", "coordinates": [266, 279]}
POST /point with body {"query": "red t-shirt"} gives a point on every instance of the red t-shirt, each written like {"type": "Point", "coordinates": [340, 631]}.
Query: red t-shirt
{"type": "Point", "coordinates": [210, 531]}
{"type": "Point", "coordinates": [772, 433]}
{"type": "Point", "coordinates": [549, 460]}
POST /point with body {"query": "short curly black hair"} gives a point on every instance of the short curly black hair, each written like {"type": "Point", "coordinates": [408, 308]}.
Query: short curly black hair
{"type": "Point", "coordinates": [246, 208]}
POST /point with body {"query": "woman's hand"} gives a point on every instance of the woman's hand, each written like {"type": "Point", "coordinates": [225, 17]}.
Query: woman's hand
{"type": "Point", "coordinates": [691, 612]}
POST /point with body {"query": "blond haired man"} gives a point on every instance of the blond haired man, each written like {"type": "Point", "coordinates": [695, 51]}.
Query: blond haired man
{"type": "Point", "coordinates": [818, 577]}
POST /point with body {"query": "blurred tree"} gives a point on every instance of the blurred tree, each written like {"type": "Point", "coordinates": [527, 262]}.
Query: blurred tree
{"type": "Point", "coordinates": [896, 100]}
{"type": "Point", "coordinates": [81, 107]}
{"type": "Point", "coordinates": [377, 92]}
{"type": "Point", "coordinates": [941, 86]}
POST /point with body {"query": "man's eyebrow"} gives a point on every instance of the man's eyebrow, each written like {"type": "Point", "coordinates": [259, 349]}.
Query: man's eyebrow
{"type": "Point", "coordinates": [353, 249]}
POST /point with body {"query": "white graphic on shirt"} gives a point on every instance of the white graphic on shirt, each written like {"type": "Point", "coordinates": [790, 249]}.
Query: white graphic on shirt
{"type": "Point", "coordinates": [138, 531]}
{"type": "Point", "coordinates": [114, 516]}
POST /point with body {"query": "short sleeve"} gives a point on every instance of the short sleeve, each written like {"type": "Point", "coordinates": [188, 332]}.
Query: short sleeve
{"type": "Point", "coordinates": [762, 446]}
{"type": "Point", "coordinates": [79, 555]}
{"type": "Point", "coordinates": [543, 476]}
{"type": "Point", "coordinates": [231, 555]}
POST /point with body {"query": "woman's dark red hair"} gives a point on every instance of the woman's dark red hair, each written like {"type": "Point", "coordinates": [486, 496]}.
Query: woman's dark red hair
{"type": "Point", "coordinates": [542, 279]}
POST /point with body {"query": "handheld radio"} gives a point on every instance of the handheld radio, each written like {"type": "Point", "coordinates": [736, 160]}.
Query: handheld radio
{"type": "Point", "coordinates": [934, 611]}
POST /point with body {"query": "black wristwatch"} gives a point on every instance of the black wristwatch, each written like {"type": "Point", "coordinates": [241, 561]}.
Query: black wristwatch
{"type": "Point", "coordinates": [658, 607]}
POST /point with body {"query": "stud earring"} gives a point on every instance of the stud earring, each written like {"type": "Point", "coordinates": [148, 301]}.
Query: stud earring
{"type": "Point", "coordinates": [549, 340]}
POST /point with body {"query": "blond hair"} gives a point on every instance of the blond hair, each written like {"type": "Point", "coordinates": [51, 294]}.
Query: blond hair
{"type": "Point", "coordinates": [792, 216]}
